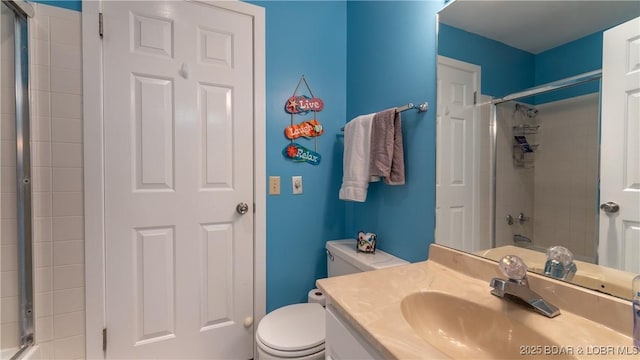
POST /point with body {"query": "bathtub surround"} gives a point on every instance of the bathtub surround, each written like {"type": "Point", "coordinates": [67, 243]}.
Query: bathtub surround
{"type": "Point", "coordinates": [56, 109]}
{"type": "Point", "coordinates": [569, 148]}
{"type": "Point", "coordinates": [562, 178]}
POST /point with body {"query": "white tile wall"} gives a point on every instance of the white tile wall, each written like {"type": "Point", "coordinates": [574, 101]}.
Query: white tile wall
{"type": "Point", "coordinates": [564, 179]}
{"type": "Point", "coordinates": [58, 185]}
{"type": "Point", "coordinates": [514, 185]}
{"type": "Point", "coordinates": [566, 209]}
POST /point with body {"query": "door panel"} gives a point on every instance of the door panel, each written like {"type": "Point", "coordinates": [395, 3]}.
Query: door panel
{"type": "Point", "coordinates": [153, 141]}
{"type": "Point", "coordinates": [178, 159]}
{"type": "Point", "coordinates": [619, 239]}
{"type": "Point", "coordinates": [457, 165]}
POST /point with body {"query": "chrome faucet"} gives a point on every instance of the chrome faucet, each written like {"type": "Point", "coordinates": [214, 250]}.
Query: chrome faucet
{"type": "Point", "coordinates": [517, 287]}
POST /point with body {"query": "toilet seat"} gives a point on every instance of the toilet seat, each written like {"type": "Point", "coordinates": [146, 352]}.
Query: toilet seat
{"type": "Point", "coordinates": [292, 331]}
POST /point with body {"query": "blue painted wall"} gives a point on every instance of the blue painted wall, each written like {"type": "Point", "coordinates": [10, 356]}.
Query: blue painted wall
{"type": "Point", "coordinates": [307, 38]}
{"type": "Point", "coordinates": [574, 58]}
{"type": "Point", "coordinates": [505, 69]}
{"type": "Point", "coordinates": [67, 4]}
{"type": "Point", "coordinates": [391, 61]}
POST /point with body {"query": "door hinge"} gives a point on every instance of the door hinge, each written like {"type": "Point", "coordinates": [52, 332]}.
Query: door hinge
{"type": "Point", "coordinates": [104, 340]}
{"type": "Point", "coordinates": [475, 97]}
{"type": "Point", "coordinates": [100, 24]}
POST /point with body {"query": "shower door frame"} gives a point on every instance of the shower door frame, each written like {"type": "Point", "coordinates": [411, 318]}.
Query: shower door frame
{"type": "Point", "coordinates": [22, 11]}
{"type": "Point", "coordinates": [538, 90]}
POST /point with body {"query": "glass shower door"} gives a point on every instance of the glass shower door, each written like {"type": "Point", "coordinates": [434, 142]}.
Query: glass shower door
{"type": "Point", "coordinates": [16, 295]}
{"type": "Point", "coordinates": [9, 291]}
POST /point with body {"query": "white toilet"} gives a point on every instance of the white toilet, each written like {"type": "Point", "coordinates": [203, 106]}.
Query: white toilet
{"type": "Point", "coordinates": [297, 331]}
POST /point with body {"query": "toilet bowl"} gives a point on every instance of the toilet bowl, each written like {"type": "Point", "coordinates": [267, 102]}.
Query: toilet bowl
{"type": "Point", "coordinates": [292, 332]}
{"type": "Point", "coordinates": [297, 332]}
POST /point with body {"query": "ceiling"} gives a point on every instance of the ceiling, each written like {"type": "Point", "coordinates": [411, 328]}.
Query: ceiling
{"type": "Point", "coordinates": [536, 26]}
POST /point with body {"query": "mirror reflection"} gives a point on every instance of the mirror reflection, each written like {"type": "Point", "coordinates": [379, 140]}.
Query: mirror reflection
{"type": "Point", "coordinates": [518, 171]}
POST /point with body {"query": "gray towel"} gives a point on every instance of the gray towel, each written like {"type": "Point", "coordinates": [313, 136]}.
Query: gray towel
{"type": "Point", "coordinates": [387, 154]}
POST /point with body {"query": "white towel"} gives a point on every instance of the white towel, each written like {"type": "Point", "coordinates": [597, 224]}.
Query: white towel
{"type": "Point", "coordinates": [357, 148]}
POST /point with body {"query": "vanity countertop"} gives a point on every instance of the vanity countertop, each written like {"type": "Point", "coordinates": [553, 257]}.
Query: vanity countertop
{"type": "Point", "coordinates": [371, 303]}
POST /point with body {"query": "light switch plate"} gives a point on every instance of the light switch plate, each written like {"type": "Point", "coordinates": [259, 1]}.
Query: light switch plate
{"type": "Point", "coordinates": [274, 185]}
{"type": "Point", "coordinates": [296, 182]}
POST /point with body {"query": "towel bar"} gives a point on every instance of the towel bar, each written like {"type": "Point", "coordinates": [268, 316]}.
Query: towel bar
{"type": "Point", "coordinates": [421, 108]}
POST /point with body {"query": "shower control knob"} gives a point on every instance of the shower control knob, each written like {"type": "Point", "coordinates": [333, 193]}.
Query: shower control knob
{"type": "Point", "coordinates": [610, 207]}
{"type": "Point", "coordinates": [242, 208]}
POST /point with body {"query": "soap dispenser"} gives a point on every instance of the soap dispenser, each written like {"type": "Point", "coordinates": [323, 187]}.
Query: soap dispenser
{"type": "Point", "coordinates": [635, 286]}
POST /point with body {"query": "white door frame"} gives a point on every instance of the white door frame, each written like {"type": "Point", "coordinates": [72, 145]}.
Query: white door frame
{"type": "Point", "coordinates": [92, 70]}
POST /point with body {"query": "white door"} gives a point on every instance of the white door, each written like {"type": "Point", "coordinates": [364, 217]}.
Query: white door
{"type": "Point", "coordinates": [457, 165]}
{"type": "Point", "coordinates": [178, 125]}
{"type": "Point", "coordinates": [619, 241]}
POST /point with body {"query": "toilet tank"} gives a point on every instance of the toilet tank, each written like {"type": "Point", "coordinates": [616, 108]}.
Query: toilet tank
{"type": "Point", "coordinates": [343, 259]}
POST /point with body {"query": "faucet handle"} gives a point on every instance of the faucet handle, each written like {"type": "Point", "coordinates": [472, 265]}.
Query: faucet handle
{"type": "Point", "coordinates": [560, 263]}
{"type": "Point", "coordinates": [561, 254]}
{"type": "Point", "coordinates": [513, 267]}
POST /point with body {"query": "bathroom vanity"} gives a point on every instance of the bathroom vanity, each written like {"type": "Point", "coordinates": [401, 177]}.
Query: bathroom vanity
{"type": "Point", "coordinates": [343, 341]}
{"type": "Point", "coordinates": [443, 308]}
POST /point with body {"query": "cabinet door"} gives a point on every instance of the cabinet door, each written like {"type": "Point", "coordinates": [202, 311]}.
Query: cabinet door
{"type": "Point", "coordinates": [344, 342]}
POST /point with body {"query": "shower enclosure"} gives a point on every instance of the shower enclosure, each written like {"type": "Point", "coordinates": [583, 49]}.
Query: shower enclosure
{"type": "Point", "coordinates": [547, 167]}
{"type": "Point", "coordinates": [16, 281]}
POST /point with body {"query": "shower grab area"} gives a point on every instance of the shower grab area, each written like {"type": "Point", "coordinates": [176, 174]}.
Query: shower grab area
{"type": "Point", "coordinates": [16, 243]}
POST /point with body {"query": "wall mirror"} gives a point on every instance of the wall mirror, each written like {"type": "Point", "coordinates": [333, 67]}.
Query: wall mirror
{"type": "Point", "coordinates": [518, 135]}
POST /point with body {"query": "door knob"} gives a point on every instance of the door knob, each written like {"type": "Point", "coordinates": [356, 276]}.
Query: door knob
{"type": "Point", "coordinates": [248, 321]}
{"type": "Point", "coordinates": [242, 208]}
{"type": "Point", "coordinates": [610, 207]}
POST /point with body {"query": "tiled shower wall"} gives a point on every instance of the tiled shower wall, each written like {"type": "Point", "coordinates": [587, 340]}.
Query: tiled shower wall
{"type": "Point", "coordinates": [566, 176]}
{"type": "Point", "coordinates": [56, 143]}
{"type": "Point", "coordinates": [558, 193]}
{"type": "Point", "coordinates": [514, 185]}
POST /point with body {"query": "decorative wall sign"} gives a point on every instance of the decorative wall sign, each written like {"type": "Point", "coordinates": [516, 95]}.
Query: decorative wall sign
{"type": "Point", "coordinates": [303, 104]}
{"type": "Point", "coordinates": [299, 153]}
{"type": "Point", "coordinates": [307, 129]}
{"type": "Point", "coordinates": [299, 105]}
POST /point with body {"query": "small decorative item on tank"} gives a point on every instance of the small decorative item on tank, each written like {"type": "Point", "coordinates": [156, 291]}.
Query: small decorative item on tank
{"type": "Point", "coordinates": [366, 242]}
